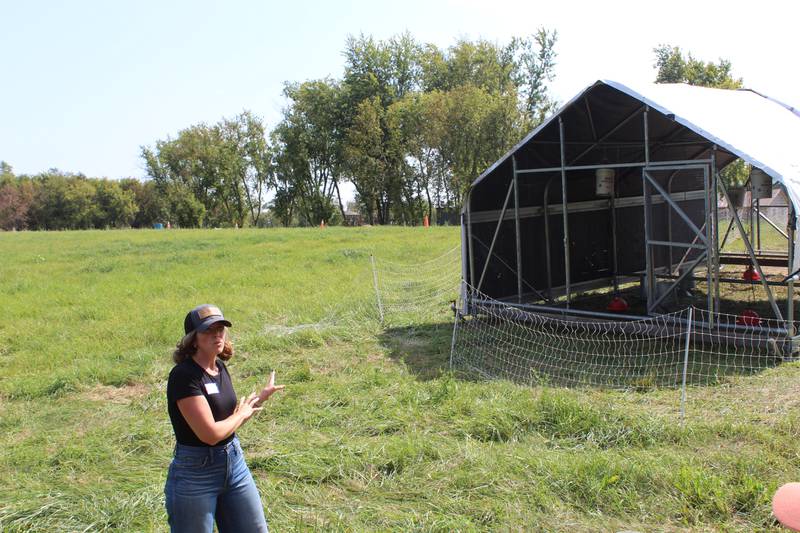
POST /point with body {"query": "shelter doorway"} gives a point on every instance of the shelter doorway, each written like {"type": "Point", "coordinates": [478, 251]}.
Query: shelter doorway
{"type": "Point", "coordinates": [678, 229]}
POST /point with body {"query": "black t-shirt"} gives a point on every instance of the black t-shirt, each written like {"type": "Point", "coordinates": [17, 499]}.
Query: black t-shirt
{"type": "Point", "coordinates": [189, 379]}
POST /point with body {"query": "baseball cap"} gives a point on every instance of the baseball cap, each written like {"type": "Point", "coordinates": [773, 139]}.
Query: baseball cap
{"type": "Point", "coordinates": [202, 317]}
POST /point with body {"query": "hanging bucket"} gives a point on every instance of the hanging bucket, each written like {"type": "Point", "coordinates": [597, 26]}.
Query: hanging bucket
{"type": "Point", "coordinates": [761, 184]}
{"type": "Point", "coordinates": [604, 182]}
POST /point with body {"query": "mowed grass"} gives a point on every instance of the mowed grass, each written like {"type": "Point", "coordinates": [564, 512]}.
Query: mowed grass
{"type": "Point", "coordinates": [372, 432]}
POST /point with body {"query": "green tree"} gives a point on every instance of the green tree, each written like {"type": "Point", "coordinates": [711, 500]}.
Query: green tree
{"type": "Point", "coordinates": [408, 144]}
{"type": "Point", "coordinates": [151, 203]}
{"type": "Point", "coordinates": [246, 164]}
{"type": "Point", "coordinates": [225, 166]}
{"type": "Point", "coordinates": [308, 152]}
{"type": "Point", "coordinates": [116, 207]}
{"type": "Point", "coordinates": [675, 67]}
{"type": "Point", "coordinates": [62, 201]}
{"type": "Point", "coordinates": [186, 211]}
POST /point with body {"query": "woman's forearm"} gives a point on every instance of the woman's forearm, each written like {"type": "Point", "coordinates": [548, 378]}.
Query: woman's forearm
{"type": "Point", "coordinates": [221, 429]}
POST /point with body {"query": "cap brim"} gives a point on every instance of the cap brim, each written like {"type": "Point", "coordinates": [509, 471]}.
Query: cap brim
{"type": "Point", "coordinates": [786, 505]}
{"type": "Point", "coordinates": [208, 322]}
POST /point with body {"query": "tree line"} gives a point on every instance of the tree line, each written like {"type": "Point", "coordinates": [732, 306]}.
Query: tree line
{"type": "Point", "coordinates": [408, 126]}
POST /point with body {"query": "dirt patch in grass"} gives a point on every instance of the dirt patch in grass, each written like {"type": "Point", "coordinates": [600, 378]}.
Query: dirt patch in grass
{"type": "Point", "coordinates": [119, 395]}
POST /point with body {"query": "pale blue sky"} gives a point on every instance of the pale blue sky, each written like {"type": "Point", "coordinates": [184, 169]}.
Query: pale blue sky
{"type": "Point", "coordinates": [83, 84]}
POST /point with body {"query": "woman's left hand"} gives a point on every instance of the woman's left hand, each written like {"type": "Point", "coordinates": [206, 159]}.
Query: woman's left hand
{"type": "Point", "coordinates": [270, 389]}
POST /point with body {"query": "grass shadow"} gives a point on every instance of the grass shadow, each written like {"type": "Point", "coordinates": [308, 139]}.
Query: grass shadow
{"type": "Point", "coordinates": [423, 348]}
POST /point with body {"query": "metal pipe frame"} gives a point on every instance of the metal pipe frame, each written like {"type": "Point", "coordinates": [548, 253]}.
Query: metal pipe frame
{"type": "Point", "coordinates": [465, 245]}
{"type": "Point", "coordinates": [648, 206]}
{"type": "Point", "coordinates": [496, 232]}
{"type": "Point", "coordinates": [648, 260]}
{"type": "Point", "coordinates": [727, 232]}
{"type": "Point", "coordinates": [469, 239]}
{"type": "Point", "coordinates": [648, 180]}
{"type": "Point", "coordinates": [669, 218]}
{"type": "Point", "coordinates": [678, 244]}
{"type": "Point", "coordinates": [586, 206]}
{"type": "Point", "coordinates": [605, 136]}
{"type": "Point", "coordinates": [674, 205]}
{"type": "Point", "coordinates": [710, 245]}
{"type": "Point", "coordinates": [734, 281]}
{"type": "Point", "coordinates": [701, 325]}
{"type": "Point", "coordinates": [617, 143]}
{"type": "Point", "coordinates": [750, 251]}
{"type": "Point", "coordinates": [715, 229]}
{"type": "Point", "coordinates": [546, 214]}
{"type": "Point", "coordinates": [589, 116]}
{"type": "Point", "coordinates": [533, 289]}
{"type": "Point", "coordinates": [790, 228]}
{"type": "Point", "coordinates": [680, 278]}
{"type": "Point", "coordinates": [565, 213]}
{"type": "Point", "coordinates": [758, 224]}
{"type": "Point", "coordinates": [570, 168]}
{"type": "Point", "coordinates": [686, 255]}
{"type": "Point", "coordinates": [752, 222]}
{"type": "Point", "coordinates": [516, 229]}
{"type": "Point", "coordinates": [613, 206]}
{"type": "Point", "coordinates": [771, 223]}
{"type": "Point", "coordinates": [563, 311]}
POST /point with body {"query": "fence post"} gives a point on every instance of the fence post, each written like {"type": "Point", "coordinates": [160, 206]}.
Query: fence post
{"type": "Point", "coordinates": [375, 283]}
{"type": "Point", "coordinates": [453, 340]}
{"type": "Point", "coordinates": [686, 364]}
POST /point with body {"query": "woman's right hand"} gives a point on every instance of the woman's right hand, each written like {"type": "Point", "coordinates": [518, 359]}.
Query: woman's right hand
{"type": "Point", "coordinates": [246, 407]}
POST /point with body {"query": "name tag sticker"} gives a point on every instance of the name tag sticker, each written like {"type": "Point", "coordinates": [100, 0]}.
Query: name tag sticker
{"type": "Point", "coordinates": [211, 388]}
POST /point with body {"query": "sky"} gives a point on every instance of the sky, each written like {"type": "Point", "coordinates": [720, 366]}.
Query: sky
{"type": "Point", "coordinates": [84, 84]}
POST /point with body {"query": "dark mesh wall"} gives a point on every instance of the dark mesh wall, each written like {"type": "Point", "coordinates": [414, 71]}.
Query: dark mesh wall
{"type": "Point", "coordinates": [617, 121]}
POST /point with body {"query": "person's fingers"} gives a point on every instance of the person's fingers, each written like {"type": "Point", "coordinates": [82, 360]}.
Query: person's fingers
{"type": "Point", "coordinates": [280, 387]}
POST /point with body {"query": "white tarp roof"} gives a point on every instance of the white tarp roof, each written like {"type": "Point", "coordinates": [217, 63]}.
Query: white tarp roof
{"type": "Point", "coordinates": [762, 131]}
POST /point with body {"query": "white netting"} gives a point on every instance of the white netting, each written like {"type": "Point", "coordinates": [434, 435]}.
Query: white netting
{"type": "Point", "coordinates": [385, 293]}
{"type": "Point", "coordinates": [497, 340]}
{"type": "Point", "coordinates": [725, 346]}
{"type": "Point", "coordinates": [417, 289]}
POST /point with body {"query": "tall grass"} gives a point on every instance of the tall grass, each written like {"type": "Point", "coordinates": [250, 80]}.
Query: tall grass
{"type": "Point", "coordinates": [372, 432]}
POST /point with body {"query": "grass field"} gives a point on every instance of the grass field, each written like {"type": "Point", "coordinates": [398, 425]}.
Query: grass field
{"type": "Point", "coordinates": [372, 432]}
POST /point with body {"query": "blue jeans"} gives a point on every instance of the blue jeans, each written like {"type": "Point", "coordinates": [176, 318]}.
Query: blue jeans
{"type": "Point", "coordinates": [207, 484]}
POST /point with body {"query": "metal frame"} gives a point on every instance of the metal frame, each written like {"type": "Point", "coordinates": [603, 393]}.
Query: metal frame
{"type": "Point", "coordinates": [752, 253]}
{"type": "Point", "coordinates": [496, 233]}
{"type": "Point", "coordinates": [566, 210]}
{"type": "Point", "coordinates": [516, 229]}
{"type": "Point", "coordinates": [708, 234]}
{"type": "Point", "coordinates": [649, 181]}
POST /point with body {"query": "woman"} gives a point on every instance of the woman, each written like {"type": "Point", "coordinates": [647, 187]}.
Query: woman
{"type": "Point", "coordinates": [208, 479]}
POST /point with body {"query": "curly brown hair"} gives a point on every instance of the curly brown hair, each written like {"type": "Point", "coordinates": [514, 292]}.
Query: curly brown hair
{"type": "Point", "coordinates": [187, 348]}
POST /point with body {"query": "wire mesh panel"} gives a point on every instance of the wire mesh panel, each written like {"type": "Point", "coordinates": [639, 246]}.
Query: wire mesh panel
{"type": "Point", "coordinates": [725, 345]}
{"type": "Point", "coordinates": [417, 290]}
{"type": "Point", "coordinates": [497, 340]}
